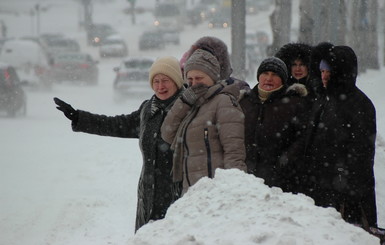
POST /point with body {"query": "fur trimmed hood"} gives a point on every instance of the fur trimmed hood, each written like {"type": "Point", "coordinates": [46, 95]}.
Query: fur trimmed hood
{"type": "Point", "coordinates": [292, 51]}
{"type": "Point", "coordinates": [294, 89]}
{"type": "Point", "coordinates": [297, 88]}
{"type": "Point", "coordinates": [342, 61]}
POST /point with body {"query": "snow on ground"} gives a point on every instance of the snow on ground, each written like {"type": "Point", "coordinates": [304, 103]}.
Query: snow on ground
{"type": "Point", "coordinates": [237, 208]}
{"type": "Point", "coordinates": [60, 187]}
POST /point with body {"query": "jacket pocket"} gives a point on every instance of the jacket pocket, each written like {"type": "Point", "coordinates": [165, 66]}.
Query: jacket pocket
{"type": "Point", "coordinates": [208, 150]}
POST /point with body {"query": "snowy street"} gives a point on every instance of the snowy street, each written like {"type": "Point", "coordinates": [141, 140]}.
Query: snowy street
{"type": "Point", "coordinates": [58, 187]}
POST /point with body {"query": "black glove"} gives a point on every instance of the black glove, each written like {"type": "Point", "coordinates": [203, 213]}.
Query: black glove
{"type": "Point", "coordinates": [67, 109]}
{"type": "Point", "coordinates": [194, 93]}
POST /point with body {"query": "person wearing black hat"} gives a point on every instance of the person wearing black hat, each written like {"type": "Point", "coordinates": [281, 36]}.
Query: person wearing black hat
{"type": "Point", "coordinates": [297, 58]}
{"type": "Point", "coordinates": [275, 116]}
{"type": "Point", "coordinates": [340, 145]}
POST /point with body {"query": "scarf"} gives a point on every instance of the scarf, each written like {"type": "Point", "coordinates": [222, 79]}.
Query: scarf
{"type": "Point", "coordinates": [264, 95]}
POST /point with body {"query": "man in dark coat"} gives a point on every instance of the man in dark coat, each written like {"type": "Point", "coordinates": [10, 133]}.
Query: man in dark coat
{"type": "Point", "coordinates": [156, 190]}
{"type": "Point", "coordinates": [340, 145]}
{"type": "Point", "coordinates": [275, 116]}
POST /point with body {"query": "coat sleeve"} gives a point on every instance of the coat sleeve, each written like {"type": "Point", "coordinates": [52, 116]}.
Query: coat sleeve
{"type": "Point", "coordinates": [123, 126]}
{"type": "Point", "coordinates": [296, 150]}
{"type": "Point", "coordinates": [173, 119]}
{"type": "Point", "coordinates": [231, 132]}
{"type": "Point", "coordinates": [361, 151]}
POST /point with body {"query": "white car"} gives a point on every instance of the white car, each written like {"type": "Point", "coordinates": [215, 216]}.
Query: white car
{"type": "Point", "coordinates": [132, 77]}
{"type": "Point", "coordinates": [30, 60]}
{"type": "Point", "coordinates": [113, 46]}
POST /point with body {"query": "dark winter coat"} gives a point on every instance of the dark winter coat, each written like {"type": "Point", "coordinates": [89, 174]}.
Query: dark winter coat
{"type": "Point", "coordinates": [156, 190]}
{"type": "Point", "coordinates": [274, 132]}
{"type": "Point", "coordinates": [341, 142]}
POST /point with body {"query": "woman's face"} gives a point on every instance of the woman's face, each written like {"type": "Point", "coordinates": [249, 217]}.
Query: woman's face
{"type": "Point", "coordinates": [325, 75]}
{"type": "Point", "coordinates": [299, 69]}
{"type": "Point", "coordinates": [269, 81]}
{"type": "Point", "coordinates": [163, 86]}
{"type": "Point", "coordinates": [199, 77]}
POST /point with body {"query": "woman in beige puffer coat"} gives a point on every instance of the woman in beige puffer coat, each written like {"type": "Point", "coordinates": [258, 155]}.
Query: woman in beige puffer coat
{"type": "Point", "coordinates": [205, 127]}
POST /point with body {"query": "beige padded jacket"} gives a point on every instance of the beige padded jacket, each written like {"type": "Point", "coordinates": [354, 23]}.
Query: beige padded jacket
{"type": "Point", "coordinates": [214, 138]}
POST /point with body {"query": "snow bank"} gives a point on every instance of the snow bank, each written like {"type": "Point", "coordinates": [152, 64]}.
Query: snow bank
{"type": "Point", "coordinates": [238, 208]}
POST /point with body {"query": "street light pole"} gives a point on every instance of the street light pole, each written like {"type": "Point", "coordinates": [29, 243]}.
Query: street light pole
{"type": "Point", "coordinates": [238, 45]}
{"type": "Point", "coordinates": [37, 8]}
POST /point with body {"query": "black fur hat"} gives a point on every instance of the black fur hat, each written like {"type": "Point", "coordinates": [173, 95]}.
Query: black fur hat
{"type": "Point", "coordinates": [342, 61]}
{"type": "Point", "coordinates": [293, 51]}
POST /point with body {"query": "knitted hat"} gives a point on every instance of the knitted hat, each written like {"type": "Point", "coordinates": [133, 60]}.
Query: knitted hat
{"type": "Point", "coordinates": [203, 61]}
{"type": "Point", "coordinates": [323, 65]}
{"type": "Point", "coordinates": [168, 66]}
{"type": "Point", "coordinates": [216, 47]}
{"type": "Point", "coordinates": [275, 65]}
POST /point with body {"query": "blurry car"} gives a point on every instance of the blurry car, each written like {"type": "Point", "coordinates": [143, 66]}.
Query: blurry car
{"type": "Point", "coordinates": [31, 61]}
{"type": "Point", "coordinates": [62, 44]}
{"type": "Point", "coordinates": [219, 21]}
{"type": "Point", "coordinates": [151, 40]}
{"type": "Point", "coordinates": [132, 76]}
{"type": "Point", "coordinates": [113, 46]}
{"type": "Point", "coordinates": [96, 33]}
{"type": "Point", "coordinates": [12, 97]}
{"type": "Point", "coordinates": [75, 67]}
{"type": "Point", "coordinates": [170, 35]}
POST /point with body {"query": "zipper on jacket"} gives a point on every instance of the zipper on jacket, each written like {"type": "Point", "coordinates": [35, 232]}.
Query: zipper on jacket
{"type": "Point", "coordinates": [206, 139]}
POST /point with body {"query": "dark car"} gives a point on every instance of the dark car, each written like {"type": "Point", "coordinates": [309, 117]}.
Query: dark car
{"type": "Point", "coordinates": [75, 67]}
{"type": "Point", "coordinates": [96, 33]}
{"type": "Point", "coordinates": [12, 97]}
{"type": "Point", "coordinates": [151, 40]}
{"type": "Point", "coordinates": [113, 46]}
{"type": "Point", "coordinates": [132, 76]}
{"type": "Point", "coordinates": [62, 44]}
{"type": "Point", "coordinates": [220, 21]}
{"type": "Point", "coordinates": [170, 35]}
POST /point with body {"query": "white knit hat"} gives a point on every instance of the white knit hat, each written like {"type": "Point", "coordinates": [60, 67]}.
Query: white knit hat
{"type": "Point", "coordinates": [168, 66]}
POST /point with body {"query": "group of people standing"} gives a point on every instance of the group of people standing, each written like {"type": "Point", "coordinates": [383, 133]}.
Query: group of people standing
{"type": "Point", "coordinates": [305, 127]}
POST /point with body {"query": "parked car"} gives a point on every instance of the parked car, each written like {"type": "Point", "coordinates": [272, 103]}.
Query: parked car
{"type": "Point", "coordinates": [75, 67]}
{"type": "Point", "coordinates": [132, 76]}
{"type": "Point", "coordinates": [12, 96]}
{"type": "Point", "coordinates": [62, 44]}
{"type": "Point", "coordinates": [113, 46]}
{"type": "Point", "coordinates": [31, 61]}
{"type": "Point", "coordinates": [219, 21]}
{"type": "Point", "coordinates": [151, 40]}
{"type": "Point", "coordinates": [170, 35]}
{"type": "Point", "coordinates": [96, 33]}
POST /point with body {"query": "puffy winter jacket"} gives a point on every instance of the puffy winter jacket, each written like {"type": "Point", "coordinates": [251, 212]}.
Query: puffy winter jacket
{"type": "Point", "coordinates": [214, 138]}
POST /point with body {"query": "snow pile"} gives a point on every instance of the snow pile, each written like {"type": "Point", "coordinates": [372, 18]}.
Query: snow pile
{"type": "Point", "coordinates": [238, 208]}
